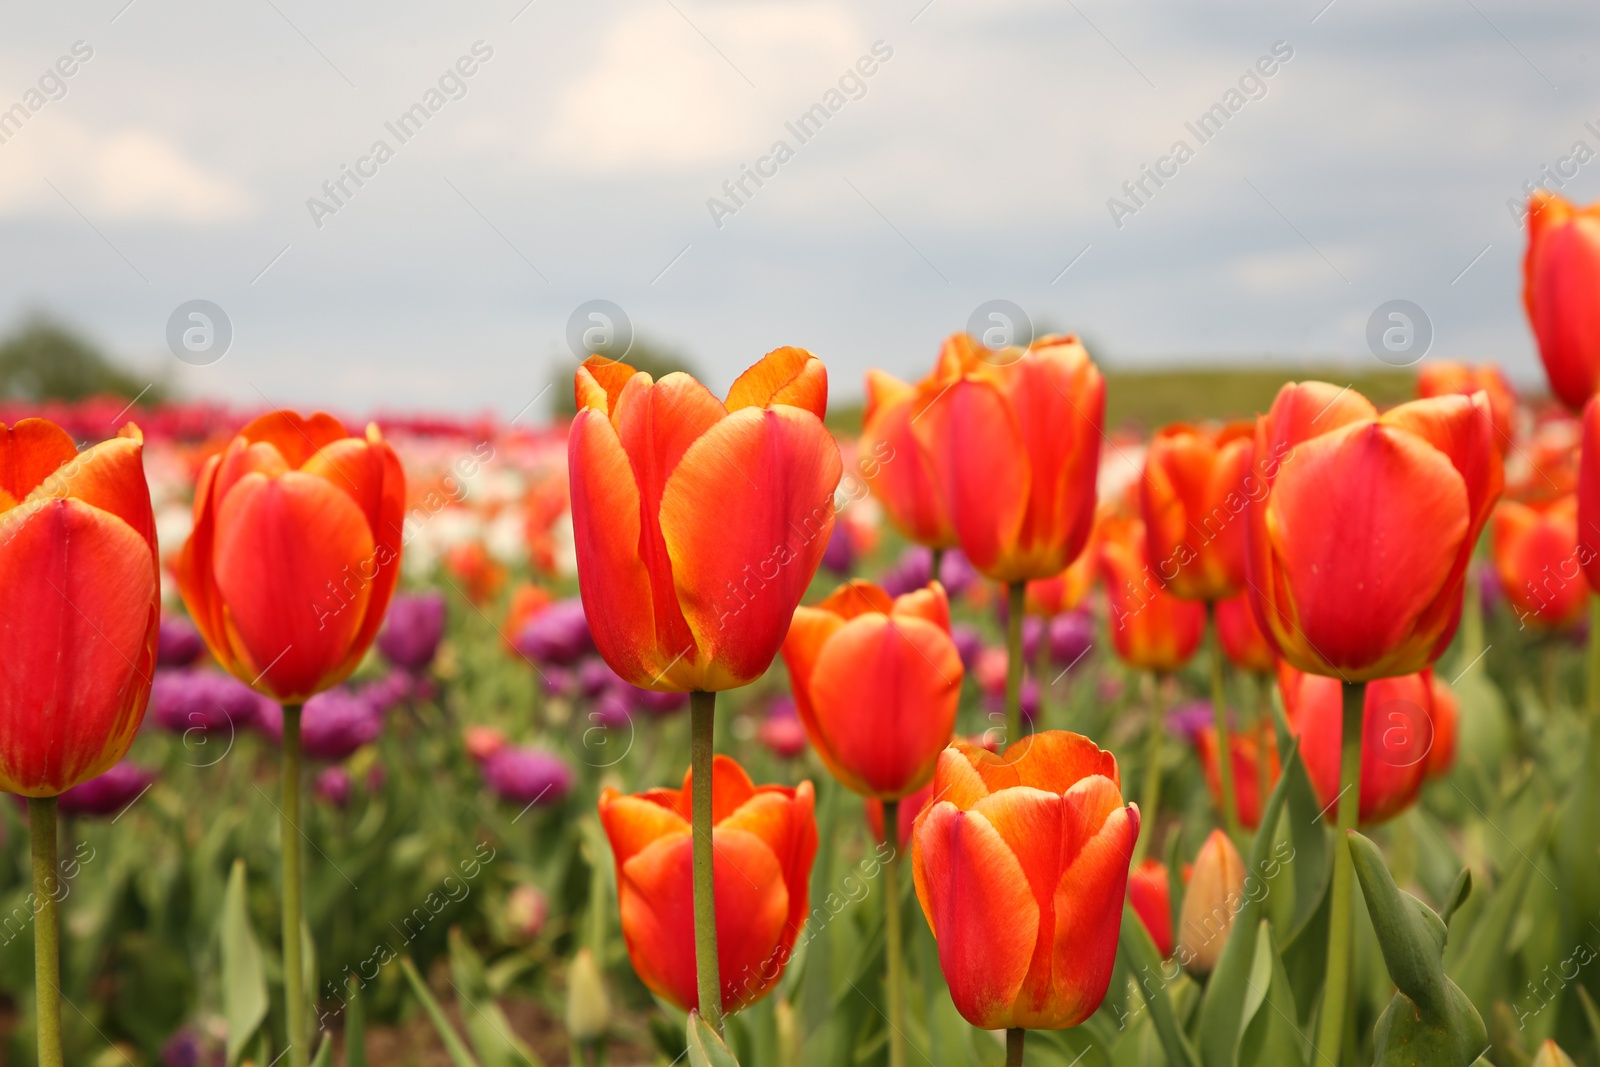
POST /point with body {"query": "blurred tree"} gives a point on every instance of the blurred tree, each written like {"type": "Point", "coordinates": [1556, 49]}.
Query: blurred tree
{"type": "Point", "coordinates": [46, 360]}
{"type": "Point", "coordinates": [652, 359]}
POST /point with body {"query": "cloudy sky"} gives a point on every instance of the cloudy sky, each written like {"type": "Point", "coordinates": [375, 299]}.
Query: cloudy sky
{"type": "Point", "coordinates": [580, 157]}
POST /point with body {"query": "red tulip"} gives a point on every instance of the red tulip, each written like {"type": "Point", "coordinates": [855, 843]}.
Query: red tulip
{"type": "Point", "coordinates": [1242, 640]}
{"type": "Point", "coordinates": [1014, 437]}
{"type": "Point", "coordinates": [1561, 292]}
{"type": "Point", "coordinates": [1589, 497]}
{"type": "Point", "coordinates": [1250, 748]}
{"type": "Point", "coordinates": [1446, 728]}
{"type": "Point", "coordinates": [698, 523]}
{"type": "Point", "coordinates": [1192, 494]}
{"type": "Point", "coordinates": [295, 551]}
{"type": "Point", "coordinates": [1151, 896]}
{"type": "Point", "coordinates": [1049, 597]}
{"type": "Point", "coordinates": [1021, 867]}
{"type": "Point", "coordinates": [876, 683]}
{"type": "Point", "coordinates": [1358, 550]}
{"type": "Point", "coordinates": [1150, 628]}
{"type": "Point", "coordinates": [1447, 379]}
{"type": "Point", "coordinates": [79, 605]}
{"type": "Point", "coordinates": [1399, 733]}
{"type": "Point", "coordinates": [764, 839]}
{"type": "Point", "coordinates": [898, 468]}
{"type": "Point", "coordinates": [1535, 553]}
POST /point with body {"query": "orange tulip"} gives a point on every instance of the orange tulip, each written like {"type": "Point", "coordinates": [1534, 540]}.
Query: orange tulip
{"type": "Point", "coordinates": [1049, 597]}
{"type": "Point", "coordinates": [1589, 497]}
{"type": "Point", "coordinates": [1535, 552]}
{"type": "Point", "coordinates": [1193, 493]}
{"type": "Point", "coordinates": [900, 471]}
{"type": "Point", "coordinates": [876, 684]}
{"type": "Point", "coordinates": [698, 523]}
{"type": "Point", "coordinates": [1021, 868]}
{"type": "Point", "coordinates": [1214, 895]}
{"type": "Point", "coordinates": [1150, 628]}
{"type": "Point", "coordinates": [1014, 437]}
{"type": "Point", "coordinates": [1358, 551]}
{"type": "Point", "coordinates": [79, 605]}
{"type": "Point", "coordinates": [764, 839]}
{"type": "Point", "coordinates": [1242, 640]}
{"type": "Point", "coordinates": [1448, 379]}
{"type": "Point", "coordinates": [1398, 735]}
{"type": "Point", "coordinates": [1151, 896]}
{"type": "Point", "coordinates": [1249, 748]}
{"type": "Point", "coordinates": [295, 551]}
{"type": "Point", "coordinates": [1561, 292]}
{"type": "Point", "coordinates": [1446, 728]}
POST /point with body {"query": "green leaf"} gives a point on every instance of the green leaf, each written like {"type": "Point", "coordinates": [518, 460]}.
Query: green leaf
{"type": "Point", "coordinates": [244, 976]}
{"type": "Point", "coordinates": [1222, 1011]}
{"type": "Point", "coordinates": [1429, 1022]}
{"type": "Point", "coordinates": [1459, 892]}
{"type": "Point", "coordinates": [324, 1056]}
{"type": "Point", "coordinates": [1145, 964]}
{"type": "Point", "coordinates": [705, 1047]}
{"type": "Point", "coordinates": [490, 1032]}
{"type": "Point", "coordinates": [1272, 1033]}
{"type": "Point", "coordinates": [453, 1045]}
{"type": "Point", "coordinates": [355, 1027]}
{"type": "Point", "coordinates": [1479, 968]}
{"type": "Point", "coordinates": [1590, 1012]}
{"type": "Point", "coordinates": [1308, 832]}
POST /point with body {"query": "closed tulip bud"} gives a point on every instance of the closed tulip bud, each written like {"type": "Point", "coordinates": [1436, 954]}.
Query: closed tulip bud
{"type": "Point", "coordinates": [1150, 893]}
{"type": "Point", "coordinates": [295, 551]}
{"type": "Point", "coordinates": [1021, 867]}
{"type": "Point", "coordinates": [901, 473]}
{"type": "Point", "coordinates": [1446, 379]}
{"type": "Point", "coordinates": [1359, 546]}
{"type": "Point", "coordinates": [1192, 497]}
{"type": "Point", "coordinates": [1246, 647]}
{"type": "Point", "coordinates": [1399, 733]}
{"type": "Point", "coordinates": [1536, 555]}
{"type": "Point", "coordinates": [588, 1006]}
{"type": "Point", "coordinates": [764, 840]}
{"type": "Point", "coordinates": [876, 683]}
{"type": "Point", "coordinates": [527, 908]}
{"type": "Point", "coordinates": [698, 523]}
{"type": "Point", "coordinates": [79, 605]}
{"type": "Point", "coordinates": [1560, 282]}
{"type": "Point", "coordinates": [1551, 1055]}
{"type": "Point", "coordinates": [1014, 437]}
{"type": "Point", "coordinates": [1250, 748]}
{"type": "Point", "coordinates": [1213, 897]}
{"type": "Point", "coordinates": [1150, 628]}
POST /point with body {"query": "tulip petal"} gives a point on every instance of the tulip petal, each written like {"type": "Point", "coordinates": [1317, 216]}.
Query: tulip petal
{"type": "Point", "coordinates": [600, 381]}
{"type": "Point", "coordinates": [929, 603]}
{"type": "Point", "coordinates": [296, 437]}
{"type": "Point", "coordinates": [809, 630]}
{"type": "Point", "coordinates": [978, 450]}
{"type": "Point", "coordinates": [1088, 900]}
{"type": "Point", "coordinates": [1029, 822]}
{"type": "Point", "coordinates": [634, 823]}
{"type": "Point", "coordinates": [783, 376]}
{"type": "Point", "coordinates": [1054, 761]}
{"type": "Point", "coordinates": [1059, 401]}
{"type": "Point", "coordinates": [108, 476]}
{"type": "Point", "coordinates": [1463, 429]}
{"type": "Point", "coordinates": [731, 787]}
{"type": "Point", "coordinates": [288, 553]}
{"type": "Point", "coordinates": [897, 467]}
{"type": "Point", "coordinates": [78, 615]}
{"type": "Point", "coordinates": [746, 517]}
{"type": "Point", "coordinates": [30, 452]}
{"type": "Point", "coordinates": [956, 777]}
{"type": "Point", "coordinates": [857, 597]}
{"type": "Point", "coordinates": [982, 912]}
{"type": "Point", "coordinates": [785, 820]}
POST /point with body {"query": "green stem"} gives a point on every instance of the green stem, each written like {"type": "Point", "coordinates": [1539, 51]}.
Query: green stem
{"type": "Point", "coordinates": [1336, 985]}
{"type": "Point", "coordinates": [1041, 670]}
{"type": "Point", "coordinates": [294, 997]}
{"type": "Point", "coordinates": [1014, 600]}
{"type": "Point", "coordinates": [1150, 795]}
{"type": "Point", "coordinates": [702, 721]}
{"type": "Point", "coordinates": [1472, 617]}
{"type": "Point", "coordinates": [937, 565]}
{"type": "Point", "coordinates": [1014, 1039]}
{"type": "Point", "coordinates": [1219, 713]}
{"type": "Point", "coordinates": [46, 930]}
{"type": "Point", "coordinates": [1264, 737]}
{"type": "Point", "coordinates": [895, 977]}
{"type": "Point", "coordinates": [1594, 661]}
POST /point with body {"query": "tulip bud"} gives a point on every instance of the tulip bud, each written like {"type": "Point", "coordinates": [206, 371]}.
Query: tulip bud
{"type": "Point", "coordinates": [1550, 1055]}
{"type": "Point", "coordinates": [588, 1007]}
{"type": "Point", "coordinates": [1213, 898]}
{"type": "Point", "coordinates": [526, 911]}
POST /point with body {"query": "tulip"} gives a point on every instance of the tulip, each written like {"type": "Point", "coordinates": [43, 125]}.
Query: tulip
{"type": "Point", "coordinates": [1446, 728]}
{"type": "Point", "coordinates": [1445, 379]}
{"type": "Point", "coordinates": [527, 909]}
{"type": "Point", "coordinates": [1536, 556]}
{"type": "Point", "coordinates": [840, 555]}
{"type": "Point", "coordinates": [1065, 591]}
{"type": "Point", "coordinates": [527, 600]}
{"type": "Point", "coordinates": [656, 703]}
{"type": "Point", "coordinates": [1015, 441]}
{"type": "Point", "coordinates": [969, 644]}
{"type": "Point", "coordinates": [1398, 735]}
{"type": "Point", "coordinates": [481, 742]}
{"type": "Point", "coordinates": [332, 786]}
{"type": "Point", "coordinates": [80, 615]}
{"type": "Point", "coordinates": [528, 776]}
{"type": "Point", "coordinates": [1071, 637]}
{"type": "Point", "coordinates": [1551, 1054]}
{"type": "Point", "coordinates": [1561, 284]}
{"type": "Point", "coordinates": [1021, 868]}
{"type": "Point", "coordinates": [1246, 647]}
{"type": "Point", "coordinates": [179, 643]}
{"type": "Point", "coordinates": [1151, 896]}
{"type": "Point", "coordinates": [781, 730]}
{"type": "Point", "coordinates": [1589, 553]}
{"type": "Point", "coordinates": [1212, 899]}
{"type": "Point", "coordinates": [1192, 495]}
{"type": "Point", "coordinates": [193, 702]}
{"type": "Point", "coordinates": [1151, 629]}
{"type": "Point", "coordinates": [876, 683]}
{"type": "Point", "coordinates": [108, 794]}
{"type": "Point", "coordinates": [557, 636]}
{"type": "Point", "coordinates": [900, 470]}
{"type": "Point", "coordinates": [765, 839]}
{"type": "Point", "coordinates": [915, 569]}
{"type": "Point", "coordinates": [473, 572]}
{"type": "Point", "coordinates": [411, 633]}
{"type": "Point", "coordinates": [1254, 763]}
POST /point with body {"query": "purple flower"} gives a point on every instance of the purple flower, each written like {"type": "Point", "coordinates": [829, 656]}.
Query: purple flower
{"type": "Point", "coordinates": [1071, 637]}
{"type": "Point", "coordinates": [840, 555]}
{"type": "Point", "coordinates": [910, 573]}
{"type": "Point", "coordinates": [333, 724]}
{"type": "Point", "coordinates": [1028, 698]}
{"type": "Point", "coordinates": [107, 794]}
{"type": "Point", "coordinates": [658, 704]}
{"type": "Point", "coordinates": [968, 641]}
{"type": "Point", "coordinates": [392, 689]}
{"type": "Point", "coordinates": [332, 786]}
{"type": "Point", "coordinates": [558, 681]}
{"type": "Point", "coordinates": [613, 710]}
{"type": "Point", "coordinates": [1491, 590]}
{"type": "Point", "coordinates": [184, 700]}
{"type": "Point", "coordinates": [558, 635]}
{"type": "Point", "coordinates": [527, 776]}
{"type": "Point", "coordinates": [412, 630]}
{"type": "Point", "coordinates": [782, 731]}
{"type": "Point", "coordinates": [1187, 720]}
{"type": "Point", "coordinates": [189, 1048]}
{"type": "Point", "coordinates": [1033, 632]}
{"type": "Point", "coordinates": [956, 572]}
{"type": "Point", "coordinates": [179, 643]}
{"type": "Point", "coordinates": [594, 677]}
